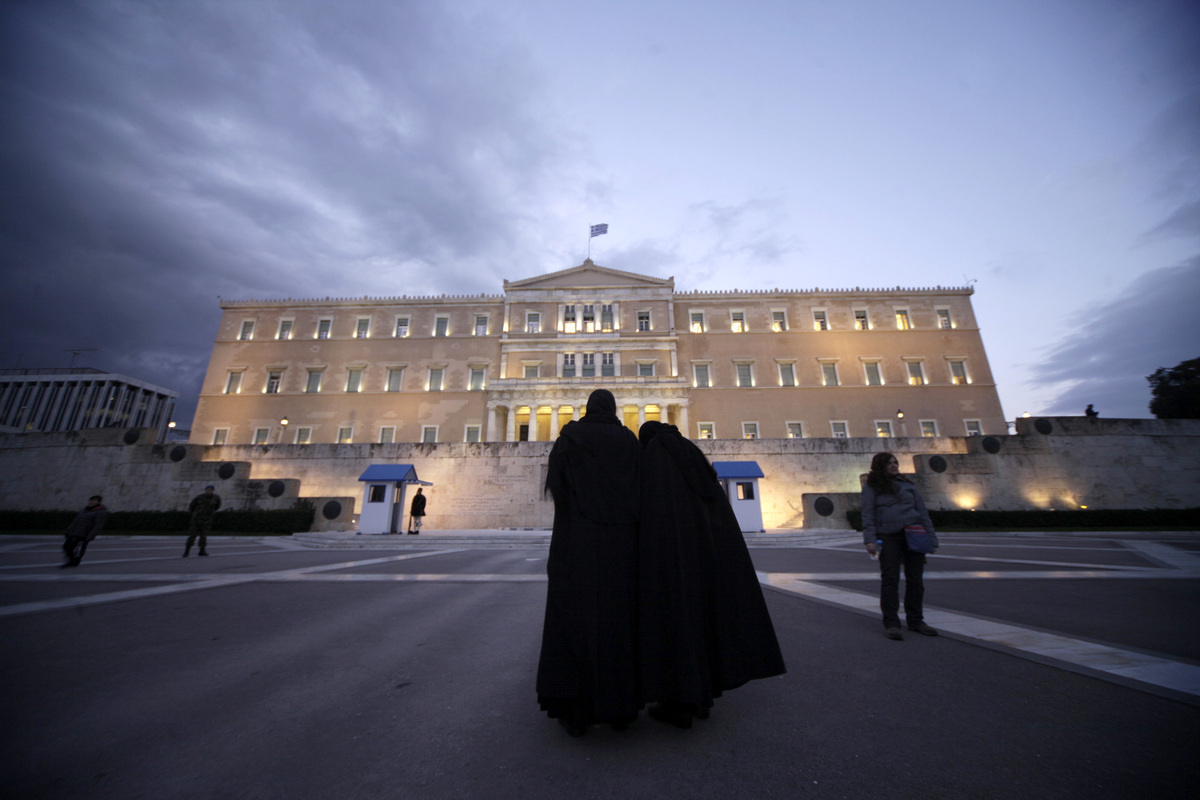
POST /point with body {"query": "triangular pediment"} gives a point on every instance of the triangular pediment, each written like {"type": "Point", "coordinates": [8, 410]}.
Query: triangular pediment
{"type": "Point", "coordinates": [592, 276]}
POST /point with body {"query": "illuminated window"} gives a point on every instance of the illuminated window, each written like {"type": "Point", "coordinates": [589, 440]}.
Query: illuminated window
{"type": "Point", "coordinates": [929, 427]}
{"type": "Point", "coordinates": [441, 326]}
{"type": "Point", "coordinates": [916, 373]}
{"type": "Point", "coordinates": [354, 380]}
{"type": "Point", "coordinates": [261, 435]}
{"type": "Point", "coordinates": [795, 430]}
{"type": "Point", "coordinates": [401, 327]}
{"type": "Point", "coordinates": [840, 429]}
{"type": "Point", "coordinates": [874, 376]}
{"type": "Point", "coordinates": [303, 435]}
{"type": "Point", "coordinates": [387, 435]}
{"type": "Point", "coordinates": [787, 375]}
{"type": "Point", "coordinates": [435, 378]}
{"type": "Point", "coordinates": [697, 324]}
{"type": "Point", "coordinates": [363, 329]}
{"type": "Point", "coordinates": [285, 329]}
{"type": "Point", "coordinates": [700, 374]}
{"type": "Point", "coordinates": [589, 319]}
{"type": "Point", "coordinates": [606, 318]}
{"type": "Point", "coordinates": [745, 375]}
{"type": "Point", "coordinates": [902, 322]}
{"type": "Point", "coordinates": [745, 489]}
{"type": "Point", "coordinates": [345, 435]}
{"type": "Point", "coordinates": [707, 430]}
{"type": "Point", "coordinates": [829, 373]}
{"type": "Point", "coordinates": [429, 434]}
{"type": "Point", "coordinates": [608, 365]}
{"type": "Point", "coordinates": [861, 321]}
{"type": "Point", "coordinates": [220, 436]}
{"type": "Point", "coordinates": [472, 434]}
{"type": "Point", "coordinates": [247, 332]}
{"type": "Point", "coordinates": [323, 327]}
{"type": "Point", "coordinates": [233, 383]}
{"type": "Point", "coordinates": [737, 321]}
{"type": "Point", "coordinates": [274, 378]}
{"type": "Point", "coordinates": [568, 365]}
{"type": "Point", "coordinates": [643, 320]}
{"type": "Point", "coordinates": [943, 318]}
{"type": "Point", "coordinates": [974, 427]}
{"type": "Point", "coordinates": [958, 373]}
{"type": "Point", "coordinates": [589, 365]}
{"type": "Point", "coordinates": [779, 321]}
{"type": "Point", "coordinates": [478, 375]}
{"type": "Point", "coordinates": [646, 370]}
{"type": "Point", "coordinates": [395, 379]}
{"type": "Point", "coordinates": [749, 430]}
{"type": "Point", "coordinates": [820, 321]}
{"type": "Point", "coordinates": [883, 428]}
{"type": "Point", "coordinates": [313, 384]}
{"type": "Point", "coordinates": [481, 323]}
{"type": "Point", "coordinates": [532, 370]}
{"type": "Point", "coordinates": [569, 319]}
{"type": "Point", "coordinates": [533, 322]}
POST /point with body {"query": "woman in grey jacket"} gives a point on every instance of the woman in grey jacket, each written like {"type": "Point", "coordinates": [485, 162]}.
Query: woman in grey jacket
{"type": "Point", "coordinates": [890, 504]}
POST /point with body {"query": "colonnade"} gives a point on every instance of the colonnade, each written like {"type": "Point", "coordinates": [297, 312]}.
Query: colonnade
{"type": "Point", "coordinates": [559, 414]}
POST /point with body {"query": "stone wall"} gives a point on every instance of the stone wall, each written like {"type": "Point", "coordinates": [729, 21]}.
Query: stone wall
{"type": "Point", "coordinates": [1062, 462]}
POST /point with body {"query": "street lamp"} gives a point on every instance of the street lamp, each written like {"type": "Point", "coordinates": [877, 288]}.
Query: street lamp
{"type": "Point", "coordinates": [283, 423]}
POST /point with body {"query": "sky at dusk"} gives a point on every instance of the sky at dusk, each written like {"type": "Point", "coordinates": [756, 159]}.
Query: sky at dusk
{"type": "Point", "coordinates": [155, 156]}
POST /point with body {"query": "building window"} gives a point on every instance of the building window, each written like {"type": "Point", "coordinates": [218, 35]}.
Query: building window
{"type": "Point", "coordinates": [787, 375]}
{"type": "Point", "coordinates": [345, 435]}
{"type": "Point", "coordinates": [749, 430]}
{"type": "Point", "coordinates": [745, 376]}
{"type": "Point", "coordinates": [481, 322]}
{"type": "Point", "coordinates": [533, 322]}
{"type": "Point", "coordinates": [883, 428]}
{"type": "Point", "coordinates": [261, 435]}
{"type": "Point", "coordinates": [303, 435]}
{"type": "Point", "coordinates": [354, 380]}
{"type": "Point", "coordinates": [874, 376]}
{"type": "Point", "coordinates": [363, 329]}
{"type": "Point", "coordinates": [395, 379]}
{"type": "Point", "coordinates": [943, 318]}
{"type": "Point", "coordinates": [697, 325]}
{"type": "Point", "coordinates": [608, 365]}
{"type": "Point", "coordinates": [274, 378]}
{"type": "Point", "coordinates": [589, 365]}
{"type": "Point", "coordinates": [958, 373]}
{"type": "Point", "coordinates": [435, 378]}
{"type": "Point", "coordinates": [861, 321]}
{"type": "Point", "coordinates": [708, 430]}
{"type": "Point", "coordinates": [533, 370]}
{"type": "Point", "coordinates": [313, 384]}
{"type": "Point", "coordinates": [247, 332]}
{"type": "Point", "coordinates": [737, 321]}
{"type": "Point", "coordinates": [323, 327]}
{"type": "Point", "coordinates": [569, 324]}
{"type": "Point", "coordinates": [902, 321]}
{"type": "Point", "coordinates": [820, 321]}
{"type": "Point", "coordinates": [700, 376]}
{"type": "Point", "coordinates": [441, 326]}
{"type": "Point", "coordinates": [646, 370]}
{"type": "Point", "coordinates": [568, 365]}
{"type": "Point", "coordinates": [285, 329]}
{"type": "Point", "coordinates": [974, 427]}
{"type": "Point", "coordinates": [401, 327]}
{"type": "Point", "coordinates": [829, 373]}
{"type": "Point", "coordinates": [929, 427]}
{"type": "Point", "coordinates": [840, 429]}
{"type": "Point", "coordinates": [589, 319]}
{"type": "Point", "coordinates": [745, 490]}
{"type": "Point", "coordinates": [233, 383]}
{"type": "Point", "coordinates": [606, 318]}
{"type": "Point", "coordinates": [916, 374]}
{"type": "Point", "coordinates": [795, 430]}
{"type": "Point", "coordinates": [220, 436]}
{"type": "Point", "coordinates": [478, 375]}
{"type": "Point", "coordinates": [779, 321]}
{"type": "Point", "coordinates": [387, 435]}
{"type": "Point", "coordinates": [643, 320]}
{"type": "Point", "coordinates": [429, 434]}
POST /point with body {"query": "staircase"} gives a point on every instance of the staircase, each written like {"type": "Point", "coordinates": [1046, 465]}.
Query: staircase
{"type": "Point", "coordinates": [528, 539]}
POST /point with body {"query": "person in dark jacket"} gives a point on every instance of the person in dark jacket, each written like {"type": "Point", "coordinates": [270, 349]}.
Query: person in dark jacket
{"type": "Point", "coordinates": [703, 624]}
{"type": "Point", "coordinates": [587, 670]}
{"type": "Point", "coordinates": [890, 503]}
{"type": "Point", "coordinates": [203, 507]}
{"type": "Point", "coordinates": [83, 529]}
{"type": "Point", "coordinates": [416, 512]}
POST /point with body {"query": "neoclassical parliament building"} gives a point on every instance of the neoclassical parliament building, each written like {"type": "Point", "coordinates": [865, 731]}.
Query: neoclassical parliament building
{"type": "Point", "coordinates": [517, 366]}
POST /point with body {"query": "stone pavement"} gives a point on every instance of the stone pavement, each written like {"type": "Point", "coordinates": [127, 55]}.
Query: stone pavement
{"type": "Point", "coordinates": [1069, 666]}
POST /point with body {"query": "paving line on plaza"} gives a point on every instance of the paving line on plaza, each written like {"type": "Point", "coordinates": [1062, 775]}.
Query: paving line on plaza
{"type": "Point", "coordinates": [1113, 663]}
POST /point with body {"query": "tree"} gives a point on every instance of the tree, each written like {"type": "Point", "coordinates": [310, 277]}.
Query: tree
{"type": "Point", "coordinates": [1176, 391]}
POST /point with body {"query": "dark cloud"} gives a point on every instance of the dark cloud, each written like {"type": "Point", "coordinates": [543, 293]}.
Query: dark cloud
{"type": "Point", "coordinates": [157, 155]}
{"type": "Point", "coordinates": [1152, 323]}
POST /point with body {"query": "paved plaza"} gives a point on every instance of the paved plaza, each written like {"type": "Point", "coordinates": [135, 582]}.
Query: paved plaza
{"type": "Point", "coordinates": [1069, 666]}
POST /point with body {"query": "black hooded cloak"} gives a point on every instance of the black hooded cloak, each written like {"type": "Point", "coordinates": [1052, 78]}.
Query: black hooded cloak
{"type": "Point", "coordinates": [587, 671]}
{"type": "Point", "coordinates": [704, 626]}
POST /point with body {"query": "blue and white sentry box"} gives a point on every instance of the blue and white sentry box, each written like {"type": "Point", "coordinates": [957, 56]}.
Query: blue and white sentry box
{"type": "Point", "coordinates": [740, 480]}
{"type": "Point", "coordinates": [383, 496]}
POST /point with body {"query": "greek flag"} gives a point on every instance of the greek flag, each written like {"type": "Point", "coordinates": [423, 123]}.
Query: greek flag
{"type": "Point", "coordinates": [599, 230]}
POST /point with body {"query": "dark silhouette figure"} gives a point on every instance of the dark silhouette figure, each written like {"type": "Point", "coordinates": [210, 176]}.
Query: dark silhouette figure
{"type": "Point", "coordinates": [416, 512]}
{"type": "Point", "coordinates": [83, 529]}
{"type": "Point", "coordinates": [1090, 412]}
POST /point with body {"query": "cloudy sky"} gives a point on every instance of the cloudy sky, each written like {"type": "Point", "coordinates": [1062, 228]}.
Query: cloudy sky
{"type": "Point", "coordinates": [155, 156]}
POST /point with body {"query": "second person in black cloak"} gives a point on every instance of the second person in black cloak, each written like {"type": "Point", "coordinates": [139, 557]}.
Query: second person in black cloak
{"type": "Point", "coordinates": [587, 671]}
{"type": "Point", "coordinates": [703, 623]}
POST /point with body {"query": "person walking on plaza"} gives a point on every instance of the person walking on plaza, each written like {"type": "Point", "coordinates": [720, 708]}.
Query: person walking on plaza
{"type": "Point", "coordinates": [890, 503]}
{"type": "Point", "coordinates": [587, 669]}
{"type": "Point", "coordinates": [416, 512]}
{"type": "Point", "coordinates": [203, 506]}
{"type": "Point", "coordinates": [83, 529]}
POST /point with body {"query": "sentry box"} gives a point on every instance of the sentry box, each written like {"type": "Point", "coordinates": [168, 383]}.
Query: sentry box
{"type": "Point", "coordinates": [383, 505]}
{"type": "Point", "coordinates": [740, 481]}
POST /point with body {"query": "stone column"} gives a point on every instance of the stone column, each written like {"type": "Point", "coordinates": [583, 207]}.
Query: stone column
{"type": "Point", "coordinates": [490, 433]}
{"type": "Point", "coordinates": [641, 407]}
{"type": "Point", "coordinates": [533, 409]}
{"type": "Point", "coordinates": [554, 421]}
{"type": "Point", "coordinates": [682, 423]}
{"type": "Point", "coordinates": [511, 427]}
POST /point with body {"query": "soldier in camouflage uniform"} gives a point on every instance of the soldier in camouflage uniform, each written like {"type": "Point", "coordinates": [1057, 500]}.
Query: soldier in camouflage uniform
{"type": "Point", "coordinates": [203, 506]}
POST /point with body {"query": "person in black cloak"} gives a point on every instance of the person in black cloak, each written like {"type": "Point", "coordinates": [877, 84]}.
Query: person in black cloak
{"type": "Point", "coordinates": [587, 671]}
{"type": "Point", "coordinates": [704, 627]}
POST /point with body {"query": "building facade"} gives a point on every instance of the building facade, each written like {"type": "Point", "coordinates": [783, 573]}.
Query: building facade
{"type": "Point", "coordinates": [517, 366]}
{"type": "Point", "coordinates": [77, 398]}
